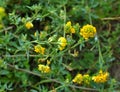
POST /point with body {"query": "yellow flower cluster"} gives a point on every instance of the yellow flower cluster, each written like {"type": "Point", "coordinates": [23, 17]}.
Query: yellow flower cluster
{"type": "Point", "coordinates": [62, 43]}
{"type": "Point", "coordinates": [69, 28]}
{"type": "Point", "coordinates": [79, 79]}
{"type": "Point", "coordinates": [88, 31]}
{"type": "Point", "coordinates": [2, 12]}
{"type": "Point", "coordinates": [101, 77]}
{"type": "Point", "coordinates": [29, 25]}
{"type": "Point", "coordinates": [72, 30]}
{"type": "Point", "coordinates": [44, 68]}
{"type": "Point", "coordinates": [39, 49]}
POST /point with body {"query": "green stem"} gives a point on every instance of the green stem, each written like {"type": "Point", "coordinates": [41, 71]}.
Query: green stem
{"type": "Point", "coordinates": [101, 60]}
{"type": "Point", "coordinates": [90, 19]}
{"type": "Point", "coordinates": [78, 43]}
{"type": "Point", "coordinates": [64, 20]}
{"type": "Point", "coordinates": [28, 54]}
{"type": "Point", "coordinates": [89, 15]}
{"type": "Point", "coordinates": [56, 88]}
{"type": "Point", "coordinates": [6, 29]}
{"type": "Point", "coordinates": [52, 80]}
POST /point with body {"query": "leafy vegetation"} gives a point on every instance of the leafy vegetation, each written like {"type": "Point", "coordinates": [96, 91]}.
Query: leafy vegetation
{"type": "Point", "coordinates": [59, 46]}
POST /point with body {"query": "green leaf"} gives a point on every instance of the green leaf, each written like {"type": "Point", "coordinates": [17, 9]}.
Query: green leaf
{"type": "Point", "coordinates": [4, 72]}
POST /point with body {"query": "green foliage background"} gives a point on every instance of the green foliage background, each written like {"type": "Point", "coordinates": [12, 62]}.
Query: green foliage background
{"type": "Point", "coordinates": [18, 61]}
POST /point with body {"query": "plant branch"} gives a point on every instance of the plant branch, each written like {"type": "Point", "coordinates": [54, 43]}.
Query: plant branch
{"type": "Point", "coordinates": [23, 70]}
{"type": "Point", "coordinates": [111, 18]}
{"type": "Point", "coordinates": [6, 29]}
{"type": "Point", "coordinates": [53, 80]}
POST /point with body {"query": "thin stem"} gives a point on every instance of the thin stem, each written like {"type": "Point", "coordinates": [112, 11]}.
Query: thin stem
{"type": "Point", "coordinates": [83, 88]}
{"type": "Point", "coordinates": [28, 54]}
{"type": "Point", "coordinates": [21, 55]}
{"type": "Point", "coordinates": [111, 18]}
{"type": "Point", "coordinates": [90, 19]}
{"type": "Point", "coordinates": [23, 70]}
{"type": "Point", "coordinates": [52, 80]}
{"type": "Point", "coordinates": [64, 20]}
{"type": "Point", "coordinates": [89, 14]}
{"type": "Point", "coordinates": [56, 88]}
{"type": "Point", "coordinates": [78, 43]}
{"type": "Point", "coordinates": [6, 29]}
{"type": "Point", "coordinates": [101, 60]}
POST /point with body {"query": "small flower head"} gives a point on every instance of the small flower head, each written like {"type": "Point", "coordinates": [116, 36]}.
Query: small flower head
{"type": "Point", "coordinates": [43, 68]}
{"type": "Point", "coordinates": [62, 43]}
{"type": "Point", "coordinates": [68, 28]}
{"type": "Point", "coordinates": [2, 12]}
{"type": "Point", "coordinates": [78, 79]}
{"type": "Point", "coordinates": [39, 49]}
{"type": "Point", "coordinates": [72, 30]}
{"type": "Point", "coordinates": [86, 79]}
{"type": "Point", "coordinates": [48, 62]}
{"type": "Point", "coordinates": [88, 31]}
{"type": "Point", "coordinates": [29, 25]}
{"type": "Point", "coordinates": [68, 24]}
{"type": "Point", "coordinates": [35, 34]}
{"type": "Point", "coordinates": [61, 48]}
{"type": "Point", "coordinates": [102, 77]}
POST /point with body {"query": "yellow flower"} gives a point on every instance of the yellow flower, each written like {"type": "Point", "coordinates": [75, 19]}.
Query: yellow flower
{"type": "Point", "coordinates": [88, 31]}
{"type": "Point", "coordinates": [48, 62]}
{"type": "Point", "coordinates": [69, 28]}
{"type": "Point", "coordinates": [43, 68]}
{"type": "Point", "coordinates": [35, 34]}
{"type": "Point", "coordinates": [68, 24]}
{"type": "Point", "coordinates": [72, 30]}
{"type": "Point", "coordinates": [61, 47]}
{"type": "Point", "coordinates": [102, 77]}
{"type": "Point", "coordinates": [2, 12]}
{"type": "Point", "coordinates": [78, 79]}
{"type": "Point", "coordinates": [62, 43]}
{"type": "Point", "coordinates": [29, 25]}
{"type": "Point", "coordinates": [39, 49]}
